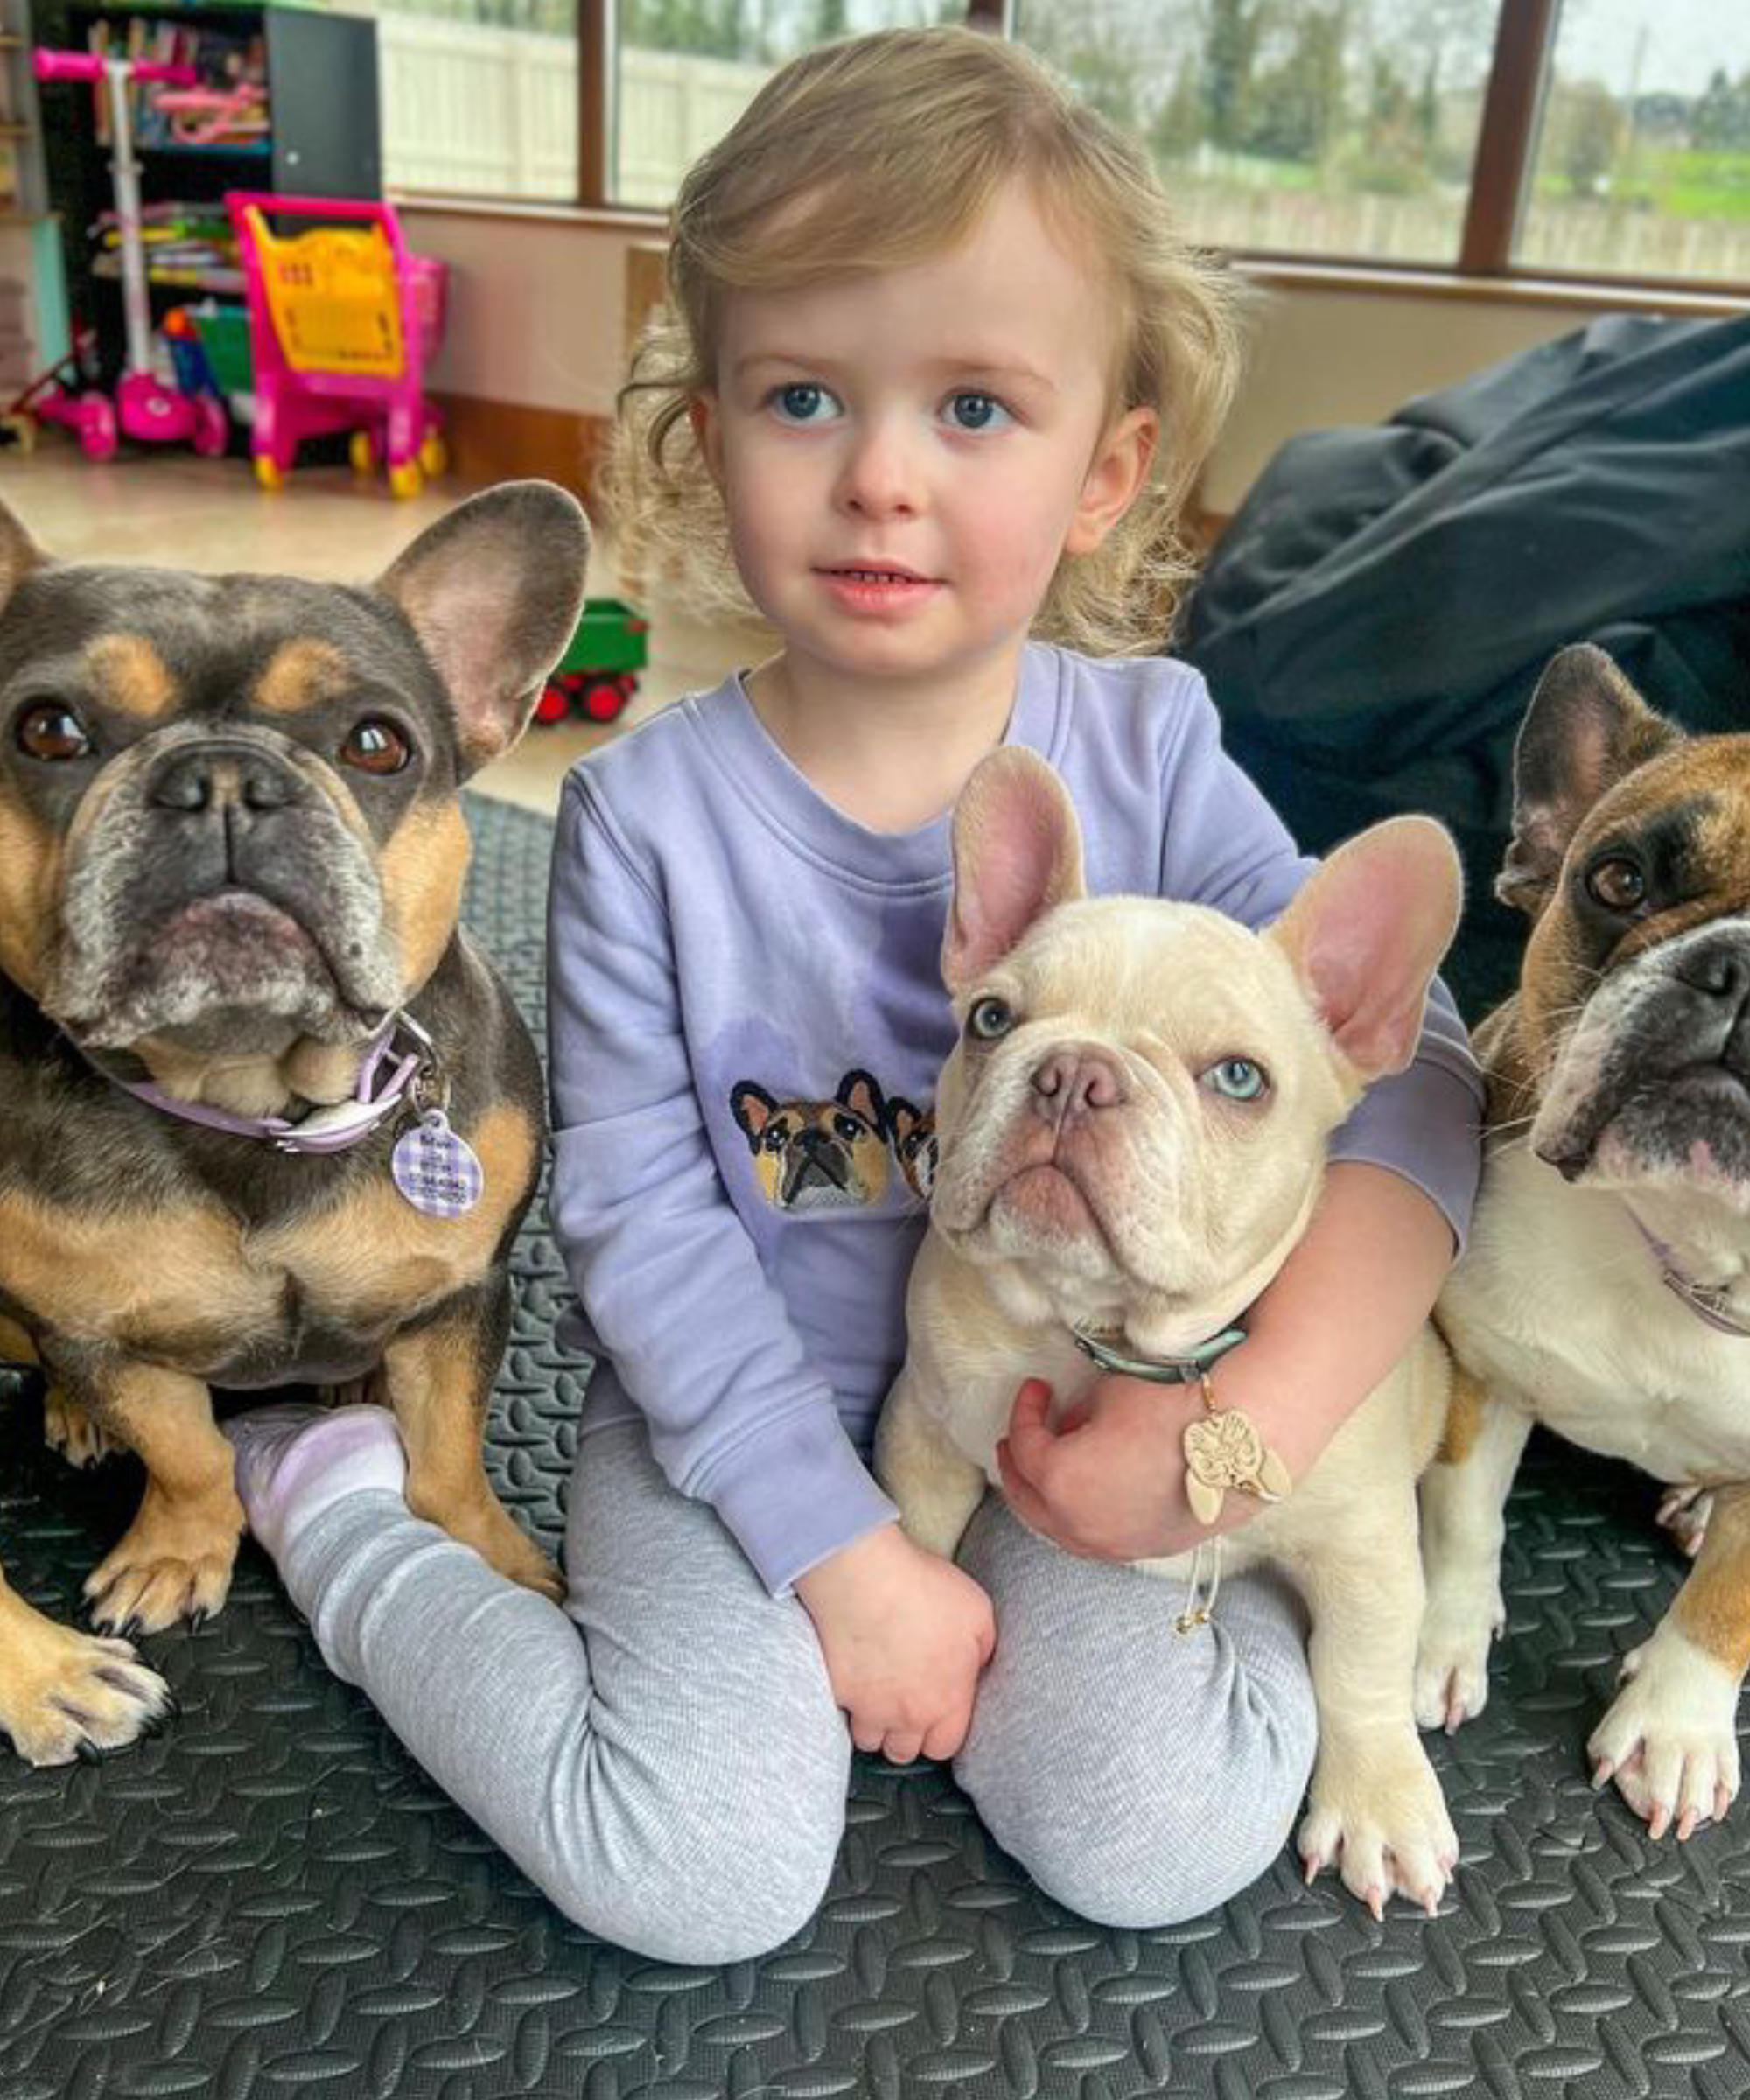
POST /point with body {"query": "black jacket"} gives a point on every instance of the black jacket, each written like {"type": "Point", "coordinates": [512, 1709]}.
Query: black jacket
{"type": "Point", "coordinates": [1374, 619]}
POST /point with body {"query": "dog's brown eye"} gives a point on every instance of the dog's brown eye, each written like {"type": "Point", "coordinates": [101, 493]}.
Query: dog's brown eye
{"type": "Point", "coordinates": [990, 1019]}
{"type": "Point", "coordinates": [1617, 884]}
{"type": "Point", "coordinates": [376, 747]}
{"type": "Point", "coordinates": [52, 732]}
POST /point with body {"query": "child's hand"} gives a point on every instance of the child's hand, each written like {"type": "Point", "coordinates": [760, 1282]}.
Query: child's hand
{"type": "Point", "coordinates": [905, 1635]}
{"type": "Point", "coordinates": [1108, 1481]}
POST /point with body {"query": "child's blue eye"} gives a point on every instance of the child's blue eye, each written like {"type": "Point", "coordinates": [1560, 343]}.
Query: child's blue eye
{"type": "Point", "coordinates": [974, 411]}
{"type": "Point", "coordinates": [1236, 1078]}
{"type": "Point", "coordinates": [803, 401]}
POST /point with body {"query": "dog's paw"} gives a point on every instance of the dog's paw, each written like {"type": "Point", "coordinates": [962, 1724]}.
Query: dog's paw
{"type": "Point", "coordinates": [64, 1694]}
{"type": "Point", "coordinates": [1451, 1657]}
{"type": "Point", "coordinates": [74, 1433]}
{"type": "Point", "coordinates": [1670, 1740]}
{"type": "Point", "coordinates": [1683, 1512]}
{"type": "Point", "coordinates": [494, 1536]}
{"type": "Point", "coordinates": [1380, 1818]}
{"type": "Point", "coordinates": [174, 1562]}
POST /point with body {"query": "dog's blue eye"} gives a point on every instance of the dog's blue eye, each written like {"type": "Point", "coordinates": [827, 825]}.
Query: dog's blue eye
{"type": "Point", "coordinates": [990, 1019]}
{"type": "Point", "coordinates": [1235, 1079]}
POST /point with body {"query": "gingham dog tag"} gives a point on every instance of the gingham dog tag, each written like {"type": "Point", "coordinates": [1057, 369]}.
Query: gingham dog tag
{"type": "Point", "coordinates": [437, 1172]}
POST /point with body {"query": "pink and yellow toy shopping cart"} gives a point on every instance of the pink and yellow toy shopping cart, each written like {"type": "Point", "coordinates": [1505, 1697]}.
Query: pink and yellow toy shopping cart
{"type": "Point", "coordinates": [342, 322]}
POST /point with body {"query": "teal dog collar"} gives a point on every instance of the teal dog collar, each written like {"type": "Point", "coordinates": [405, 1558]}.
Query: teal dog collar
{"type": "Point", "coordinates": [1171, 1370]}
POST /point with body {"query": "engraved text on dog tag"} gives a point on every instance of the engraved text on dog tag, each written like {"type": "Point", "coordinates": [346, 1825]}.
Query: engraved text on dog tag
{"type": "Point", "coordinates": [437, 1172]}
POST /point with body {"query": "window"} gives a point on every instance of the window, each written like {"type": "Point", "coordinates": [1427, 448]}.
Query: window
{"type": "Point", "coordinates": [1343, 127]}
{"type": "Point", "coordinates": [480, 96]}
{"type": "Point", "coordinates": [1495, 138]}
{"type": "Point", "coordinates": [1642, 164]}
{"type": "Point", "coordinates": [688, 68]}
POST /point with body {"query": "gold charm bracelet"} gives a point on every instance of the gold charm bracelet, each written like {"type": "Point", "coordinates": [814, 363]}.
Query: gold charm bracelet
{"type": "Point", "coordinates": [1223, 1449]}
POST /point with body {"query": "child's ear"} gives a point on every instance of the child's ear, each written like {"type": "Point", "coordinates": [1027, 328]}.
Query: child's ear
{"type": "Point", "coordinates": [1115, 480]}
{"type": "Point", "coordinates": [707, 433]}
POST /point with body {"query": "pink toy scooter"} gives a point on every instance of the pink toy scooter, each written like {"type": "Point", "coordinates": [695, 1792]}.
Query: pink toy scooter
{"type": "Point", "coordinates": [144, 406]}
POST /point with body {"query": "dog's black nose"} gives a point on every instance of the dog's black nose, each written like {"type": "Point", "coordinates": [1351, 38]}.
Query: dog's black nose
{"type": "Point", "coordinates": [204, 776]}
{"type": "Point", "coordinates": [1720, 969]}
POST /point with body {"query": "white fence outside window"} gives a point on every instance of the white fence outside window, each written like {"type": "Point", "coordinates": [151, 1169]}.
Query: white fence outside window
{"type": "Point", "coordinates": [493, 111]}
{"type": "Point", "coordinates": [472, 108]}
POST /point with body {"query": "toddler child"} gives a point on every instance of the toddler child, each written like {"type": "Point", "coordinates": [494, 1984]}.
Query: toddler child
{"type": "Point", "coordinates": [940, 377]}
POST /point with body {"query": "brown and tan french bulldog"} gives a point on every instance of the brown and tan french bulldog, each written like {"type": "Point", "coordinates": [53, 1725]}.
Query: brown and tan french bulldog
{"type": "Point", "coordinates": [1606, 1290]}
{"type": "Point", "coordinates": [1132, 1131]}
{"type": "Point", "coordinates": [816, 1155]}
{"type": "Point", "coordinates": [231, 863]}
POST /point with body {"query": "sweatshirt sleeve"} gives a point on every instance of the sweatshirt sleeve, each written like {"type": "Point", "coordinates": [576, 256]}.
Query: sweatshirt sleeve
{"type": "Point", "coordinates": [1226, 847]}
{"type": "Point", "coordinates": [670, 1280]}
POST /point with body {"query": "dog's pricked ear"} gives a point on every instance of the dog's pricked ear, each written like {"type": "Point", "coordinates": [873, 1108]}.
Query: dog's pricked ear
{"type": "Point", "coordinates": [19, 554]}
{"type": "Point", "coordinates": [1366, 934]}
{"type": "Point", "coordinates": [860, 1092]}
{"type": "Point", "coordinates": [1586, 728]}
{"type": "Point", "coordinates": [752, 1109]}
{"type": "Point", "coordinates": [493, 591]}
{"type": "Point", "coordinates": [1017, 852]}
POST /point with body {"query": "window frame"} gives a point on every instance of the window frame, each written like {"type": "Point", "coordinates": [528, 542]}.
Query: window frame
{"type": "Point", "coordinates": [1520, 65]}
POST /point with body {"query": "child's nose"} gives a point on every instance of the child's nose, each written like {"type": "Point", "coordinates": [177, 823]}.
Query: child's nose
{"type": "Point", "coordinates": [880, 473]}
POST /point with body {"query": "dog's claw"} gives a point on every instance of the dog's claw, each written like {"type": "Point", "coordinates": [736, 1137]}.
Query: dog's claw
{"type": "Point", "coordinates": [1602, 1773]}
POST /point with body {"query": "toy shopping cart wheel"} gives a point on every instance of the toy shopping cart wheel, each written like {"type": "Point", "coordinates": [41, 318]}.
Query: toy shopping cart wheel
{"type": "Point", "coordinates": [343, 319]}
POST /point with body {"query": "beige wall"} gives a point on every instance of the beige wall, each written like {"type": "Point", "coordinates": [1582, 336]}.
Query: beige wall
{"type": "Point", "coordinates": [538, 312]}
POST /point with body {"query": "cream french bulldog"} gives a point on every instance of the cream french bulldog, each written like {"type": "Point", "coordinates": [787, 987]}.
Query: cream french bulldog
{"type": "Point", "coordinates": [1133, 1130]}
{"type": "Point", "coordinates": [1607, 1289]}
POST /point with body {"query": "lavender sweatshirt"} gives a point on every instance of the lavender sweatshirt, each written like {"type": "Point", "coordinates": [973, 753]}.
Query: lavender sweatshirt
{"type": "Point", "coordinates": [746, 1021]}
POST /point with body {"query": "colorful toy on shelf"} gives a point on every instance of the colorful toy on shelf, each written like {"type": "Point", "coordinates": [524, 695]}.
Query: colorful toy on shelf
{"type": "Point", "coordinates": [598, 673]}
{"type": "Point", "coordinates": [342, 321]}
{"type": "Point", "coordinates": [144, 406]}
{"type": "Point", "coordinates": [215, 116]}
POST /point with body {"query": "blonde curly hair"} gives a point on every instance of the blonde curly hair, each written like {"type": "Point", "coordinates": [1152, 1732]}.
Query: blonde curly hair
{"type": "Point", "coordinates": [884, 150]}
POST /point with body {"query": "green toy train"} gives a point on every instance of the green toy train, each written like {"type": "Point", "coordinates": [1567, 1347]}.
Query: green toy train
{"type": "Point", "coordinates": [597, 674]}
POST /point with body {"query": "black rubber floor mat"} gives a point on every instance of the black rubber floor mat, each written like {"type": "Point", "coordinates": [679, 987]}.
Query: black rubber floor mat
{"type": "Point", "coordinates": [271, 1900]}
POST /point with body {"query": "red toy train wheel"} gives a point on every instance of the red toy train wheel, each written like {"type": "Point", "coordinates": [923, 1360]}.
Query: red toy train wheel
{"type": "Point", "coordinates": [605, 699]}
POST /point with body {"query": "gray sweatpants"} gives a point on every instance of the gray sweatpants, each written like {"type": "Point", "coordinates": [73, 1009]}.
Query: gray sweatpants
{"type": "Point", "coordinates": [663, 1757]}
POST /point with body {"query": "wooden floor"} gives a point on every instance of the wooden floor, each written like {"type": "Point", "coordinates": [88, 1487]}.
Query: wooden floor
{"type": "Point", "coordinates": [170, 508]}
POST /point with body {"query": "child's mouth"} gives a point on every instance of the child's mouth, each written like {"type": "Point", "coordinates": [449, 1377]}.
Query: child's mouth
{"type": "Point", "coordinates": [874, 590]}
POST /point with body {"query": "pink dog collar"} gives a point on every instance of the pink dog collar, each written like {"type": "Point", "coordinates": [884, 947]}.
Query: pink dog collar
{"type": "Point", "coordinates": [382, 1083]}
{"type": "Point", "coordinates": [1706, 1301]}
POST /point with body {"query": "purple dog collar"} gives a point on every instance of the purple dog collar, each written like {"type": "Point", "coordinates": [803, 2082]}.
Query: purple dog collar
{"type": "Point", "coordinates": [1706, 1301]}
{"type": "Point", "coordinates": [382, 1083]}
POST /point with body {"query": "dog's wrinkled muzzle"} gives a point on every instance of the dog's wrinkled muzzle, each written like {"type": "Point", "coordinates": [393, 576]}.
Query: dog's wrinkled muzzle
{"type": "Point", "coordinates": [216, 894]}
{"type": "Point", "coordinates": [1655, 1078]}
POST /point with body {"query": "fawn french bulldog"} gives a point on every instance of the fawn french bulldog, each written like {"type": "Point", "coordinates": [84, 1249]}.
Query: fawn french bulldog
{"type": "Point", "coordinates": [1132, 1131]}
{"type": "Point", "coordinates": [271, 1118]}
{"type": "Point", "coordinates": [1606, 1290]}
